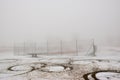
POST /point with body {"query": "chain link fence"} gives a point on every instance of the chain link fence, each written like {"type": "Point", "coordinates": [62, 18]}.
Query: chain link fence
{"type": "Point", "coordinates": [56, 47]}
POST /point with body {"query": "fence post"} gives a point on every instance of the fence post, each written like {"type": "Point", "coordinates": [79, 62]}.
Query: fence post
{"type": "Point", "coordinates": [61, 46]}
{"type": "Point", "coordinates": [47, 47]}
{"type": "Point", "coordinates": [14, 48]}
{"type": "Point", "coordinates": [35, 47]}
{"type": "Point", "coordinates": [24, 48]}
{"type": "Point", "coordinates": [76, 47]}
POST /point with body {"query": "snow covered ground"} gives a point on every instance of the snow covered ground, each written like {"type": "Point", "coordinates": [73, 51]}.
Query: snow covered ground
{"type": "Point", "coordinates": [59, 67]}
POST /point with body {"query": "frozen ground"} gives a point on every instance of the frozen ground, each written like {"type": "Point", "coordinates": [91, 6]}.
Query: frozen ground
{"type": "Point", "coordinates": [59, 68]}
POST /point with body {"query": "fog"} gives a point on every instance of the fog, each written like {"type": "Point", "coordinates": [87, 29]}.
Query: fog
{"type": "Point", "coordinates": [35, 20]}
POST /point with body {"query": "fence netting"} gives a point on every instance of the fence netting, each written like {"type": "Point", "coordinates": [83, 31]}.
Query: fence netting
{"type": "Point", "coordinates": [55, 47]}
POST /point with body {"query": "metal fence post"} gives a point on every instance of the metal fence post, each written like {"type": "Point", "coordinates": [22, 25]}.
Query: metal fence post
{"type": "Point", "coordinates": [61, 46]}
{"type": "Point", "coordinates": [47, 47]}
{"type": "Point", "coordinates": [76, 47]}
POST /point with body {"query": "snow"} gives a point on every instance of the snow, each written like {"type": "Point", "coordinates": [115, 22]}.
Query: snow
{"type": "Point", "coordinates": [54, 68]}
{"type": "Point", "coordinates": [108, 76]}
{"type": "Point", "coordinates": [65, 67]}
{"type": "Point", "coordinates": [20, 68]}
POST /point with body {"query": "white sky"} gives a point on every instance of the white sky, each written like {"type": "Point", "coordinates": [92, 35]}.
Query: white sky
{"type": "Point", "coordinates": [25, 20]}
